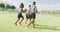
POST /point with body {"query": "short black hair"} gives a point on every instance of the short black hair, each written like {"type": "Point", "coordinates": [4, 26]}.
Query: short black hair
{"type": "Point", "coordinates": [34, 2]}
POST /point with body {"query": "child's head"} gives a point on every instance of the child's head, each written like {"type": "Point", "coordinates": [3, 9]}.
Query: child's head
{"type": "Point", "coordinates": [21, 5]}
{"type": "Point", "coordinates": [29, 5]}
{"type": "Point", "coordinates": [34, 3]}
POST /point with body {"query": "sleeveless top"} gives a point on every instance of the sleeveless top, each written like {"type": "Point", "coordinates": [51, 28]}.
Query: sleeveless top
{"type": "Point", "coordinates": [33, 9]}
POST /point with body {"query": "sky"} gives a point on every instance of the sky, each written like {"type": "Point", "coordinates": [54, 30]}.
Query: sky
{"type": "Point", "coordinates": [41, 4]}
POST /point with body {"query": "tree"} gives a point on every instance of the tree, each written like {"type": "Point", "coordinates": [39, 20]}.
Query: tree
{"type": "Point", "coordinates": [8, 6]}
{"type": "Point", "coordinates": [12, 7]}
{"type": "Point", "coordinates": [2, 6]}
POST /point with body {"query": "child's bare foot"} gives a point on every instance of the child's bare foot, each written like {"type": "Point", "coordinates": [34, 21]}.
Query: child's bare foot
{"type": "Point", "coordinates": [15, 23]}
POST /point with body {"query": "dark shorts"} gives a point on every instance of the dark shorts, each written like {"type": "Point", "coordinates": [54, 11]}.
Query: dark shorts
{"type": "Point", "coordinates": [27, 16]}
{"type": "Point", "coordinates": [33, 15]}
{"type": "Point", "coordinates": [20, 15]}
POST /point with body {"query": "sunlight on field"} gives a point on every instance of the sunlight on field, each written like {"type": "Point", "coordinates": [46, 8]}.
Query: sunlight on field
{"type": "Point", "coordinates": [44, 23]}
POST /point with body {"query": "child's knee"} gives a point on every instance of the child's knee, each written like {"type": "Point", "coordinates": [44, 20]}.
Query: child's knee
{"type": "Point", "coordinates": [23, 18]}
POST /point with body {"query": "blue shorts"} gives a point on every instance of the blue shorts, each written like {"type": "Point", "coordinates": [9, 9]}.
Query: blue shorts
{"type": "Point", "coordinates": [33, 15]}
{"type": "Point", "coordinates": [20, 15]}
{"type": "Point", "coordinates": [27, 16]}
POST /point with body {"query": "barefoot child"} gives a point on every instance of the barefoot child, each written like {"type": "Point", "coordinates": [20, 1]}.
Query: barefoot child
{"type": "Point", "coordinates": [20, 14]}
{"type": "Point", "coordinates": [28, 14]}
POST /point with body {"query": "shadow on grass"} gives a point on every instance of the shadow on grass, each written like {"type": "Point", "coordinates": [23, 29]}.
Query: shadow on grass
{"type": "Point", "coordinates": [47, 27]}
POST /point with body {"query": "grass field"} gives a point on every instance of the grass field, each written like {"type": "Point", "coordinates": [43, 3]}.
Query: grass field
{"type": "Point", "coordinates": [44, 23]}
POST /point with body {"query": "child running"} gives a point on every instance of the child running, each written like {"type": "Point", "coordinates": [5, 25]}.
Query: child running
{"type": "Point", "coordinates": [20, 14]}
{"type": "Point", "coordinates": [33, 14]}
{"type": "Point", "coordinates": [28, 14]}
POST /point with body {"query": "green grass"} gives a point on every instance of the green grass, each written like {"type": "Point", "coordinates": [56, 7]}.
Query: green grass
{"type": "Point", "coordinates": [43, 23]}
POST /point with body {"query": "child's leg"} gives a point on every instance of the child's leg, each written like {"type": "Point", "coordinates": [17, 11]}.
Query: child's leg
{"type": "Point", "coordinates": [21, 20]}
{"type": "Point", "coordinates": [26, 21]}
{"type": "Point", "coordinates": [33, 22]}
{"type": "Point", "coordinates": [26, 18]}
{"type": "Point", "coordinates": [17, 21]}
{"type": "Point", "coordinates": [30, 22]}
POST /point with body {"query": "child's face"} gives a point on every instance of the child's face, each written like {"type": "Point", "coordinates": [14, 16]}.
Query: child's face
{"type": "Point", "coordinates": [34, 4]}
{"type": "Point", "coordinates": [29, 5]}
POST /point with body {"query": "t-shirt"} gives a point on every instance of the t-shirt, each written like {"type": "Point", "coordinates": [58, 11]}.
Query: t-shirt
{"type": "Point", "coordinates": [19, 10]}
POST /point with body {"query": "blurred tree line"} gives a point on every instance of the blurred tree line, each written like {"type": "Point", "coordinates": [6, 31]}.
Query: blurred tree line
{"type": "Point", "coordinates": [6, 7]}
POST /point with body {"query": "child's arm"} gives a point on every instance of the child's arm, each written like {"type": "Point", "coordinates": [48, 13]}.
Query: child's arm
{"type": "Point", "coordinates": [36, 10]}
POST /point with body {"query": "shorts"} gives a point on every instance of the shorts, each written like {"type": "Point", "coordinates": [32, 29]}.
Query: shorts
{"type": "Point", "coordinates": [20, 15]}
{"type": "Point", "coordinates": [33, 15]}
{"type": "Point", "coordinates": [27, 16]}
